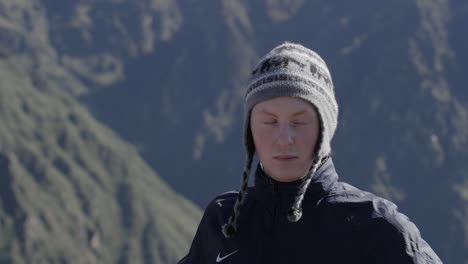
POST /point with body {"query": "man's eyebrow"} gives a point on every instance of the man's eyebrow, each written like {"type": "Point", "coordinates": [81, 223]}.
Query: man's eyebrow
{"type": "Point", "coordinates": [264, 111]}
{"type": "Point", "coordinates": [299, 113]}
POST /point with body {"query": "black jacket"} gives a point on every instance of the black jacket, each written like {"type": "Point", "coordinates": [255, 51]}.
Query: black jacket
{"type": "Point", "coordinates": [340, 224]}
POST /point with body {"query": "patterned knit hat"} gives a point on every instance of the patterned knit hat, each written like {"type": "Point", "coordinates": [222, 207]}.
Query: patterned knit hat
{"type": "Point", "coordinates": [295, 71]}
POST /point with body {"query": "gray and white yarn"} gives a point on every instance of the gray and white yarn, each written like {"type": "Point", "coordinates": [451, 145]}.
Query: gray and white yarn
{"type": "Point", "coordinates": [295, 212]}
{"type": "Point", "coordinates": [230, 227]}
{"type": "Point", "coordinates": [290, 70]}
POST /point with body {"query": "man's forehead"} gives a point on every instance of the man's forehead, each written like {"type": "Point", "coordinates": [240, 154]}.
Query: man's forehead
{"type": "Point", "coordinates": [290, 109]}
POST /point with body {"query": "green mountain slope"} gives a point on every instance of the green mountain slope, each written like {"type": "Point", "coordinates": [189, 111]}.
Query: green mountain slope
{"type": "Point", "coordinates": [71, 191]}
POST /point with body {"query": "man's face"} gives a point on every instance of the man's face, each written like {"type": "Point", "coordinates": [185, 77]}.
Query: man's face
{"type": "Point", "coordinates": [285, 132]}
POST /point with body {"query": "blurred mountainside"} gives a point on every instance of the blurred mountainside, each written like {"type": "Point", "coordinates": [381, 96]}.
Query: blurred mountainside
{"type": "Point", "coordinates": [71, 190]}
{"type": "Point", "coordinates": [169, 76]}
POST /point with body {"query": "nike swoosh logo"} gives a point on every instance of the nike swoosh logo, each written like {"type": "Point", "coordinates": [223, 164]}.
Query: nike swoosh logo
{"type": "Point", "coordinates": [218, 201]}
{"type": "Point", "coordinates": [219, 258]}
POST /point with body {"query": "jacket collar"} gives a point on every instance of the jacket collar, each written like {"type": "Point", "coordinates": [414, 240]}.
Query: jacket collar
{"type": "Point", "coordinates": [269, 190]}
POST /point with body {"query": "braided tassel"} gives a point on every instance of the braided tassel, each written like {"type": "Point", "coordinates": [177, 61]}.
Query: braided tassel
{"type": "Point", "coordinates": [230, 228]}
{"type": "Point", "coordinates": [295, 212]}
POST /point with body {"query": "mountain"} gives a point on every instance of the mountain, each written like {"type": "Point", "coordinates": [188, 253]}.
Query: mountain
{"type": "Point", "coordinates": [71, 190]}
{"type": "Point", "coordinates": [169, 77]}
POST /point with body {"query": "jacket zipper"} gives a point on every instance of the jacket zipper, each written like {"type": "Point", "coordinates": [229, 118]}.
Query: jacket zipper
{"type": "Point", "coordinates": [276, 214]}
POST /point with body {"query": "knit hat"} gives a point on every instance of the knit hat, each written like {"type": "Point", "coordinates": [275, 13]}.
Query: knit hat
{"type": "Point", "coordinates": [295, 71]}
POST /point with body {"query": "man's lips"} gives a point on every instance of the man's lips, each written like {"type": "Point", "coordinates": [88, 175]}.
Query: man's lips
{"type": "Point", "coordinates": [285, 157]}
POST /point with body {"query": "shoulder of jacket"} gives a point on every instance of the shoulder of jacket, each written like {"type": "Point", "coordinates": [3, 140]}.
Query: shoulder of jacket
{"type": "Point", "coordinates": [399, 231]}
{"type": "Point", "coordinates": [227, 195]}
{"type": "Point", "coordinates": [381, 218]}
{"type": "Point", "coordinates": [386, 216]}
{"type": "Point", "coordinates": [370, 206]}
{"type": "Point", "coordinates": [377, 207]}
{"type": "Point", "coordinates": [342, 192]}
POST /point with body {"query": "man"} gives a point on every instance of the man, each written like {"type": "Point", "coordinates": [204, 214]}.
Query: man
{"type": "Point", "coordinates": [298, 211]}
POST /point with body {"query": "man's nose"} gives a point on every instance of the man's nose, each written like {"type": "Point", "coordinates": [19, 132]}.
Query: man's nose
{"type": "Point", "coordinates": [286, 135]}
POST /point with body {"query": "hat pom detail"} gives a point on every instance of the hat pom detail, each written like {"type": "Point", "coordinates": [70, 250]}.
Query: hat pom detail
{"type": "Point", "coordinates": [294, 214]}
{"type": "Point", "coordinates": [228, 230]}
